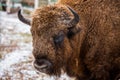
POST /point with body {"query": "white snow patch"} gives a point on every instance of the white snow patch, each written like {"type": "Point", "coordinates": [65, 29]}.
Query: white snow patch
{"type": "Point", "coordinates": [12, 58]}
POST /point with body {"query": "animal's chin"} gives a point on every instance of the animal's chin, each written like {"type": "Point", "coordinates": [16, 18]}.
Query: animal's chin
{"type": "Point", "coordinates": [46, 71]}
{"type": "Point", "coordinates": [49, 71]}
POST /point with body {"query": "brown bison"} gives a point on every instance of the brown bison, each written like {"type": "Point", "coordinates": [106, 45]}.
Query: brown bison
{"type": "Point", "coordinates": [83, 39]}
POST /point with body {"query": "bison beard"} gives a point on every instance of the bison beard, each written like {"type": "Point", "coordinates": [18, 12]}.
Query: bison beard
{"type": "Point", "coordinates": [87, 48]}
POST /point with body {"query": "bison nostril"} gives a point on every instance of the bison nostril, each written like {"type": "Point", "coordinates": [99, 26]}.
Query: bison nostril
{"type": "Point", "coordinates": [42, 64]}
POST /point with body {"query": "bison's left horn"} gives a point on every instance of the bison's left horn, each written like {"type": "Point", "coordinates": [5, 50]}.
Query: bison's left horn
{"type": "Point", "coordinates": [21, 18]}
{"type": "Point", "coordinates": [76, 18]}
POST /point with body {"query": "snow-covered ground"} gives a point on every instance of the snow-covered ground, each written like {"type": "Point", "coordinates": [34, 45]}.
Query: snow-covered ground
{"type": "Point", "coordinates": [16, 51]}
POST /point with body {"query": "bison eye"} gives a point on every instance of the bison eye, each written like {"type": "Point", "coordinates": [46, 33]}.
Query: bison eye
{"type": "Point", "coordinates": [59, 38]}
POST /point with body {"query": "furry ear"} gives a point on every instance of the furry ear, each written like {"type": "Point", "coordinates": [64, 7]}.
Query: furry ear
{"type": "Point", "coordinates": [73, 31]}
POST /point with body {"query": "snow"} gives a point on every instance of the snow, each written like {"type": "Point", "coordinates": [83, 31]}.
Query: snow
{"type": "Point", "coordinates": [16, 51]}
{"type": "Point", "coordinates": [12, 58]}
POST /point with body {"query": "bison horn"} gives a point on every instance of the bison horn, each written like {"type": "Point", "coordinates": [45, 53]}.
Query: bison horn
{"type": "Point", "coordinates": [76, 18]}
{"type": "Point", "coordinates": [21, 18]}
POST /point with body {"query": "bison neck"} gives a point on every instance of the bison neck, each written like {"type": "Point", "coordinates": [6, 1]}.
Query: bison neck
{"type": "Point", "coordinates": [75, 67]}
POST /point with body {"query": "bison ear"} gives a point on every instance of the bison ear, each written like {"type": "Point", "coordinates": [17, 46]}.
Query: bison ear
{"type": "Point", "coordinates": [73, 31]}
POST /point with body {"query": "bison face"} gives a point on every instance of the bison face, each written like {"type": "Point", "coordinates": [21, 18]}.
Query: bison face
{"type": "Point", "coordinates": [53, 31]}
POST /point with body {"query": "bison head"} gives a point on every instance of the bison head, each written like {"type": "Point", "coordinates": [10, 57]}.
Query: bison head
{"type": "Point", "coordinates": [55, 39]}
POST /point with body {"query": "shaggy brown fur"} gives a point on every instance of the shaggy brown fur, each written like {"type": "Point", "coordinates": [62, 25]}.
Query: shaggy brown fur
{"type": "Point", "coordinates": [91, 54]}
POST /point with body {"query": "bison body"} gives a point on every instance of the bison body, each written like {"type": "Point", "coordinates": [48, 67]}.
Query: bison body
{"type": "Point", "coordinates": [88, 49]}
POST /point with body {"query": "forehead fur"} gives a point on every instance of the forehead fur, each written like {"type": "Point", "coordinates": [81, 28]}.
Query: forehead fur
{"type": "Point", "coordinates": [50, 16]}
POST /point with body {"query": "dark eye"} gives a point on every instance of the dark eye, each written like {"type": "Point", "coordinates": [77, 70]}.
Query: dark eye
{"type": "Point", "coordinates": [58, 39]}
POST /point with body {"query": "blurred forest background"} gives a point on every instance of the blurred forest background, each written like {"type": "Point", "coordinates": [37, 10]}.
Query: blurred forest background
{"type": "Point", "coordinates": [16, 42]}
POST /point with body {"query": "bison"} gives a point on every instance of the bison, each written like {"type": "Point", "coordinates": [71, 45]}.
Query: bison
{"type": "Point", "coordinates": [80, 37]}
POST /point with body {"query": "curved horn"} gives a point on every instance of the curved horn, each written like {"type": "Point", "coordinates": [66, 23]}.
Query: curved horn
{"type": "Point", "coordinates": [21, 18]}
{"type": "Point", "coordinates": [76, 18]}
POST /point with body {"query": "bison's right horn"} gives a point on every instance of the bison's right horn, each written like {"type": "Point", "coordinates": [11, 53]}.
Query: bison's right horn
{"type": "Point", "coordinates": [76, 18]}
{"type": "Point", "coordinates": [21, 18]}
